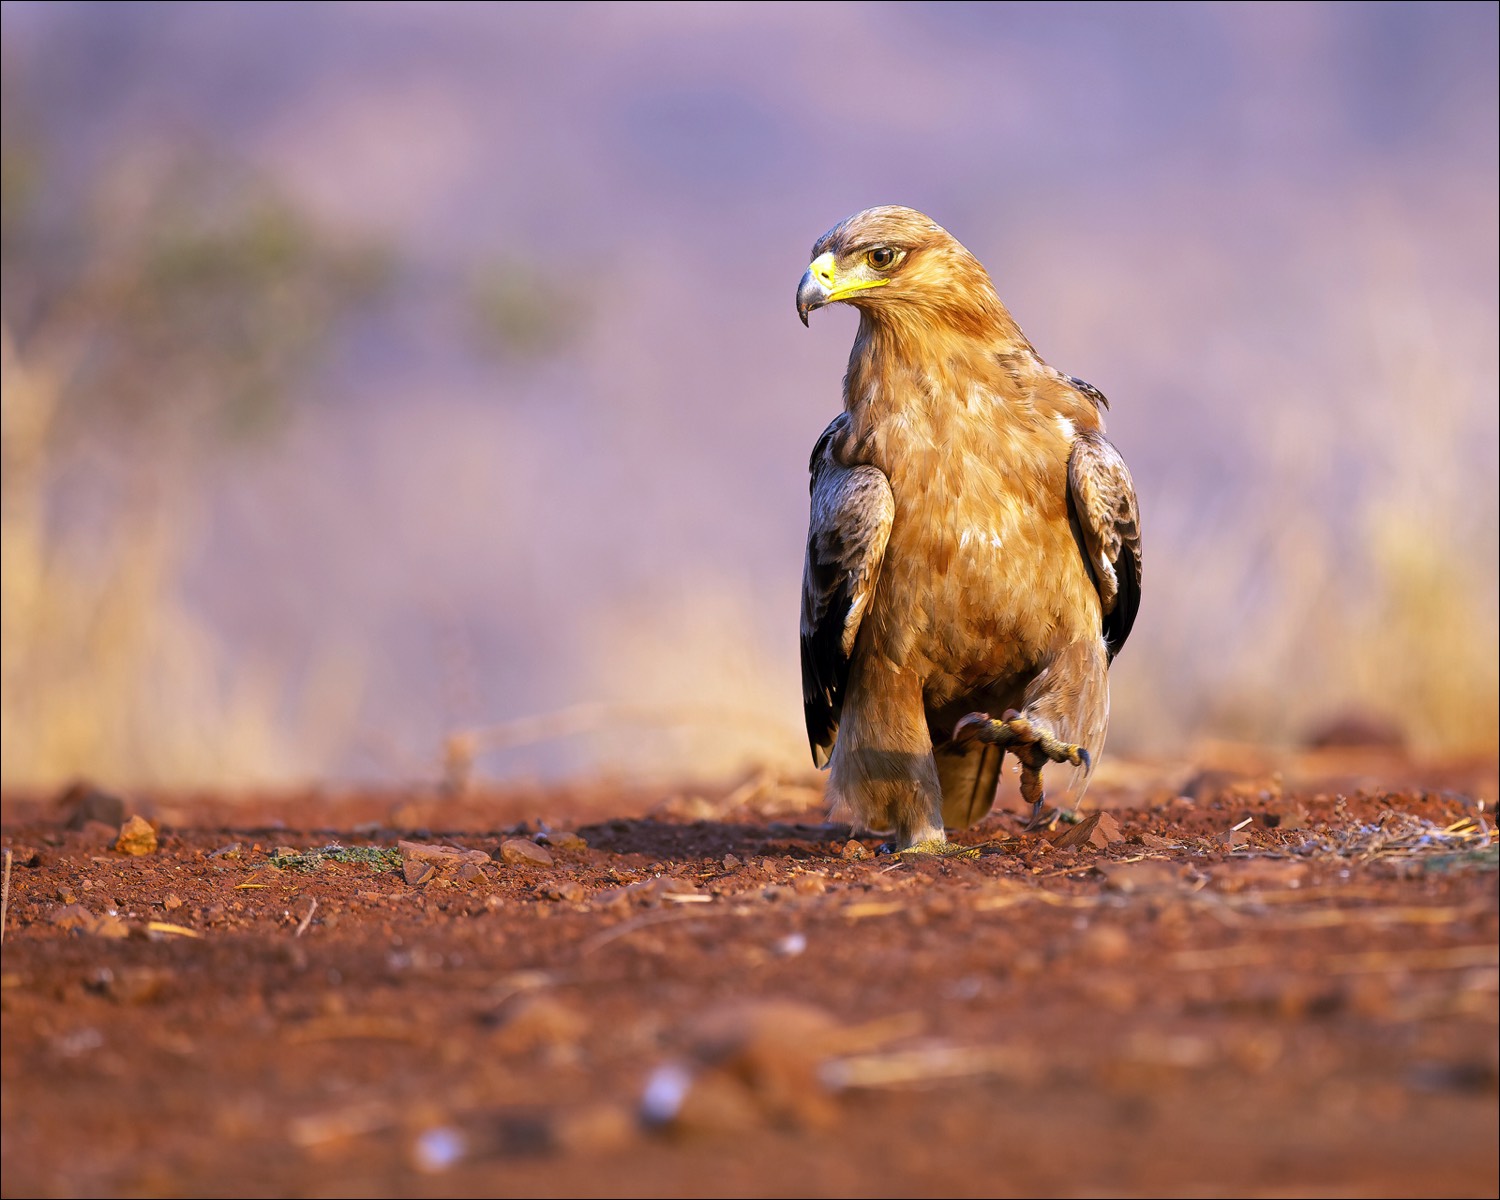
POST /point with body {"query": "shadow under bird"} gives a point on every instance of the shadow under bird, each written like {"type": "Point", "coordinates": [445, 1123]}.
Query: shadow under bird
{"type": "Point", "coordinates": [973, 552]}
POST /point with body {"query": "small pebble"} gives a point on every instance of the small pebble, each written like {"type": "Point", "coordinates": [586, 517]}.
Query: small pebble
{"type": "Point", "coordinates": [110, 926]}
{"type": "Point", "coordinates": [791, 945]}
{"type": "Point", "coordinates": [519, 850]}
{"type": "Point", "coordinates": [136, 837]}
{"type": "Point", "coordinates": [72, 916]}
{"type": "Point", "coordinates": [1098, 829]}
{"type": "Point", "coordinates": [665, 1091]}
{"type": "Point", "coordinates": [438, 1149]}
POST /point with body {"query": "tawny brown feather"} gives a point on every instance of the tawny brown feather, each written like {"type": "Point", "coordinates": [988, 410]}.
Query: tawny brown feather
{"type": "Point", "coordinates": [974, 541]}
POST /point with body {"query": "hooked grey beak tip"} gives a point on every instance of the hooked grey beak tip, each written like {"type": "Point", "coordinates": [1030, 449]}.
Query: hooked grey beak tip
{"type": "Point", "coordinates": [810, 295]}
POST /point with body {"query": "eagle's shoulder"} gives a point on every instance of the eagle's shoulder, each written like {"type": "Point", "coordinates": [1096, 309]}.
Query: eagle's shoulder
{"type": "Point", "coordinates": [825, 449]}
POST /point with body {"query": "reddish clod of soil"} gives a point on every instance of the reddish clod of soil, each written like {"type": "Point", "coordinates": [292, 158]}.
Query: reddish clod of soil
{"type": "Point", "coordinates": [1233, 984]}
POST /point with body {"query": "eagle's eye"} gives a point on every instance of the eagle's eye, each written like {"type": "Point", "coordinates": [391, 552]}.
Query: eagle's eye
{"type": "Point", "coordinates": [881, 258]}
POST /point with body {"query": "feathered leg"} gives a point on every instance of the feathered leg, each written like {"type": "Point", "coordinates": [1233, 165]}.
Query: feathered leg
{"type": "Point", "coordinates": [882, 774]}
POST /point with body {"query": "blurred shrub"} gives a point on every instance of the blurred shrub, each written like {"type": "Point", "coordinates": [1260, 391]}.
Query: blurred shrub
{"type": "Point", "coordinates": [104, 670]}
{"type": "Point", "coordinates": [175, 291]}
{"type": "Point", "coordinates": [150, 325]}
{"type": "Point", "coordinates": [520, 312]}
{"type": "Point", "coordinates": [1349, 566]}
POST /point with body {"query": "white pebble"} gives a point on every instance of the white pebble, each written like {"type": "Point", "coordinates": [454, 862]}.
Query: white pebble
{"type": "Point", "coordinates": [665, 1091]}
{"type": "Point", "coordinates": [438, 1149]}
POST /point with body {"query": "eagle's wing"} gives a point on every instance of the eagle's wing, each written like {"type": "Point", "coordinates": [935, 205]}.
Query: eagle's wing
{"type": "Point", "coordinates": [1102, 498]}
{"type": "Point", "coordinates": [850, 523]}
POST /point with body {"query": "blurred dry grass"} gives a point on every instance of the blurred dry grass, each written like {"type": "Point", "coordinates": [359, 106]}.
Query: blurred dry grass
{"type": "Point", "coordinates": [1395, 630]}
{"type": "Point", "coordinates": [1360, 577]}
{"type": "Point", "coordinates": [105, 670]}
{"type": "Point", "coordinates": [156, 341]}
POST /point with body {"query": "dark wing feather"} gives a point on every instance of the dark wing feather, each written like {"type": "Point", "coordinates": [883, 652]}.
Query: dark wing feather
{"type": "Point", "coordinates": [847, 531]}
{"type": "Point", "coordinates": [1102, 498]}
{"type": "Point", "coordinates": [1088, 391]}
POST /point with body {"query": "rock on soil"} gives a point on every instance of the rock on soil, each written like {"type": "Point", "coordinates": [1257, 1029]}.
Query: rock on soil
{"type": "Point", "coordinates": [422, 863]}
{"type": "Point", "coordinates": [1097, 829]}
{"type": "Point", "coordinates": [137, 837]}
{"type": "Point", "coordinates": [519, 850]}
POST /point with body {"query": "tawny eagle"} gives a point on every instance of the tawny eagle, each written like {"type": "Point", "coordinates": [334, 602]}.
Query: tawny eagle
{"type": "Point", "coordinates": [973, 554]}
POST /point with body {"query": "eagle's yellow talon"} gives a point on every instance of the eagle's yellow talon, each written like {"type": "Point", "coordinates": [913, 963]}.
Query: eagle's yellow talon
{"type": "Point", "coordinates": [939, 848]}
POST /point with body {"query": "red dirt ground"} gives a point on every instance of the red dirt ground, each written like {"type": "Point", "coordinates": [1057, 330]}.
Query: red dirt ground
{"type": "Point", "coordinates": [1247, 985]}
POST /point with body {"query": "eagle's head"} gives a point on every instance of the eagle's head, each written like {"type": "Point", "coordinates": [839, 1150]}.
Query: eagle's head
{"type": "Point", "coordinates": [897, 265]}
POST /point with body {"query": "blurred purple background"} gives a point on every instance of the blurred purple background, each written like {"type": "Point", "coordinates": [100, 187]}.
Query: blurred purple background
{"type": "Point", "coordinates": [548, 448]}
